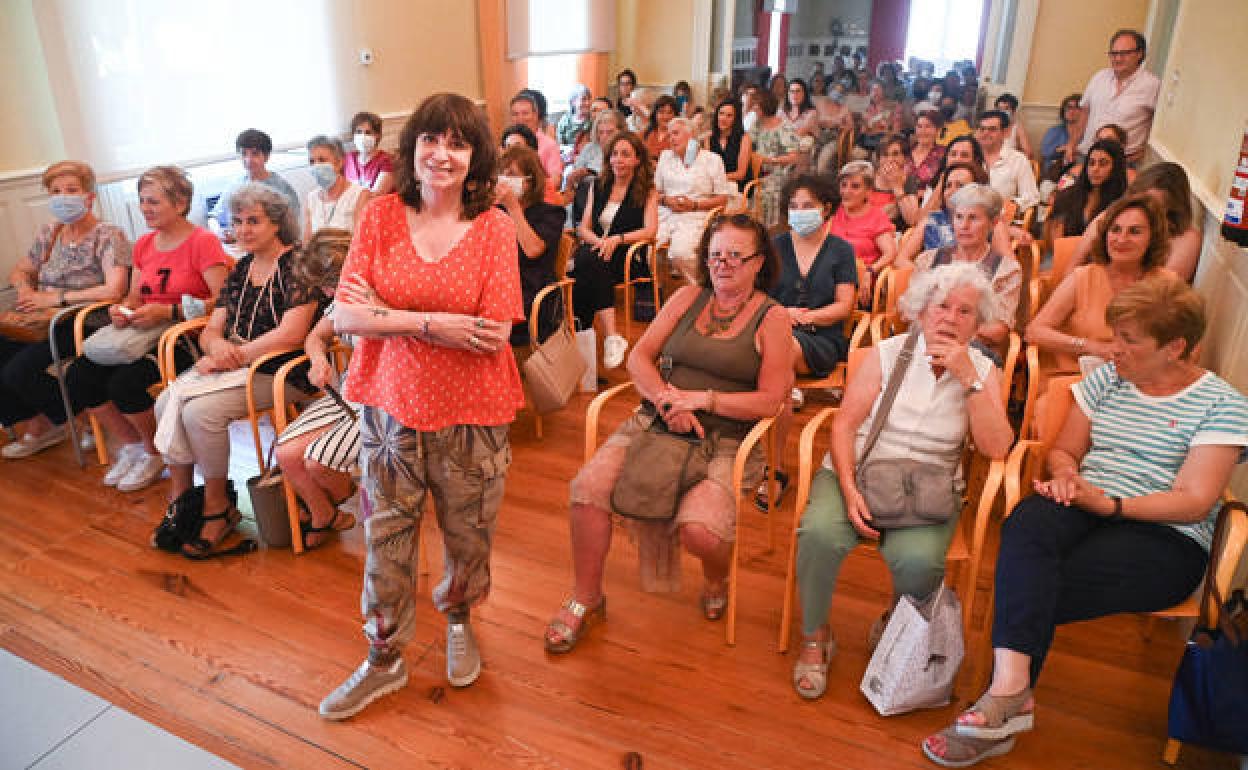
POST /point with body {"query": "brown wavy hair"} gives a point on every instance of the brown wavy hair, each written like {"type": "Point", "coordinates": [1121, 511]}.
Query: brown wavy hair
{"type": "Point", "coordinates": [455, 115]}
{"type": "Point", "coordinates": [530, 165]}
{"type": "Point", "coordinates": [1158, 231]}
{"type": "Point", "coordinates": [643, 178]}
{"type": "Point", "coordinates": [770, 270]}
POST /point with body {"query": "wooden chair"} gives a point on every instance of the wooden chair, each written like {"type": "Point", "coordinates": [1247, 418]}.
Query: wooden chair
{"type": "Point", "coordinates": [1026, 463]}
{"type": "Point", "coordinates": [1009, 211]}
{"type": "Point", "coordinates": [169, 342]}
{"type": "Point", "coordinates": [965, 551]}
{"type": "Point", "coordinates": [1042, 283]}
{"type": "Point", "coordinates": [750, 192]}
{"type": "Point", "coordinates": [562, 285]}
{"type": "Point", "coordinates": [641, 250]}
{"type": "Point", "coordinates": [744, 498]}
{"type": "Point", "coordinates": [857, 327]}
{"type": "Point", "coordinates": [255, 412]}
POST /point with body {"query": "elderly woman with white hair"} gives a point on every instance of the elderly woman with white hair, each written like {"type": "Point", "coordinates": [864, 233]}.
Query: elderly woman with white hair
{"type": "Point", "coordinates": [946, 388]}
{"type": "Point", "coordinates": [975, 210]}
{"type": "Point", "coordinates": [691, 181]}
{"type": "Point", "coordinates": [576, 120]}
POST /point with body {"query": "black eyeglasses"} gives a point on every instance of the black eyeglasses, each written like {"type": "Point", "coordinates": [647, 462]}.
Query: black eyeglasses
{"type": "Point", "coordinates": [729, 260]}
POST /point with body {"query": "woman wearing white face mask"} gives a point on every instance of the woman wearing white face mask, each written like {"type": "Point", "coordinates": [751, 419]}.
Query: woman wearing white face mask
{"type": "Point", "coordinates": [77, 258]}
{"type": "Point", "coordinates": [539, 225]}
{"type": "Point", "coordinates": [337, 201]}
{"type": "Point", "coordinates": [690, 181]}
{"type": "Point", "coordinates": [369, 166]}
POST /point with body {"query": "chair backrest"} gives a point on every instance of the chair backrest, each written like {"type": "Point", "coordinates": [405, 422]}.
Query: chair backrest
{"type": "Point", "coordinates": [567, 244]}
{"type": "Point", "coordinates": [1009, 212]}
{"type": "Point", "coordinates": [1063, 254]}
{"type": "Point", "coordinates": [898, 282]}
{"type": "Point", "coordinates": [1057, 403]}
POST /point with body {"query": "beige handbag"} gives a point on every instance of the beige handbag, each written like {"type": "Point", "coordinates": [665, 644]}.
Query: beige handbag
{"type": "Point", "coordinates": [554, 370]}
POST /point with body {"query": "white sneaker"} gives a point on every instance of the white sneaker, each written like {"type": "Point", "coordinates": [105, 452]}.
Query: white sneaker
{"type": "Point", "coordinates": [144, 470]}
{"type": "Point", "coordinates": [613, 349]}
{"type": "Point", "coordinates": [122, 465]}
{"type": "Point", "coordinates": [30, 445]}
{"type": "Point", "coordinates": [798, 398]}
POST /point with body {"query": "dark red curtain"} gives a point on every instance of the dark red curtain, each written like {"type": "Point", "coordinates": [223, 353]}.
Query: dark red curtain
{"type": "Point", "coordinates": [890, 20]}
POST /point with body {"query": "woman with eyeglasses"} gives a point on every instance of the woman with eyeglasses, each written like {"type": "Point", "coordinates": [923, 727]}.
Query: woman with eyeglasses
{"type": "Point", "coordinates": [726, 350]}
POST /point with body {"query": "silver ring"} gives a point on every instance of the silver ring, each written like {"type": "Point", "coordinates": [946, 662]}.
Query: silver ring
{"type": "Point", "coordinates": [474, 341]}
{"type": "Point", "coordinates": [480, 323]}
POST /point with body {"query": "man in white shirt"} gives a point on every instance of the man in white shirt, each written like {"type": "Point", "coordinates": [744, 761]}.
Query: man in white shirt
{"type": "Point", "coordinates": [1009, 171]}
{"type": "Point", "coordinates": [1124, 93]}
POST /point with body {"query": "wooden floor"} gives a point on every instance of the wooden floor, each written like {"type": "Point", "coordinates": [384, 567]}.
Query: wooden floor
{"type": "Point", "coordinates": [235, 655]}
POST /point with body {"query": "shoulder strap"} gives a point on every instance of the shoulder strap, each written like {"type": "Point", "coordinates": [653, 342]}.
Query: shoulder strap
{"type": "Point", "coordinates": [900, 367]}
{"type": "Point", "coordinates": [56, 233]}
{"type": "Point", "coordinates": [759, 315]}
{"type": "Point", "coordinates": [1211, 599]}
{"type": "Point", "coordinates": [944, 256]}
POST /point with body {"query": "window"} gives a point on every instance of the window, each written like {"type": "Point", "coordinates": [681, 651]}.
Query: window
{"type": "Point", "coordinates": [148, 81]}
{"type": "Point", "coordinates": [944, 31]}
{"type": "Point", "coordinates": [554, 76]}
{"type": "Point", "coordinates": [551, 35]}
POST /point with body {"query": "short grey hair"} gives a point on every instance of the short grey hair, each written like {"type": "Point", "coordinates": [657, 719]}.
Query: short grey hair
{"type": "Point", "coordinates": [276, 206]}
{"type": "Point", "coordinates": [578, 90]}
{"type": "Point", "coordinates": [929, 286]}
{"type": "Point", "coordinates": [333, 145]}
{"type": "Point", "coordinates": [978, 195]}
{"type": "Point", "coordinates": [688, 124]}
{"type": "Point", "coordinates": [862, 168]}
{"type": "Point", "coordinates": [608, 116]}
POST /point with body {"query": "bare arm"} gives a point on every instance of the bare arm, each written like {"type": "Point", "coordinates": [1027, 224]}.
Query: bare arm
{"type": "Point", "coordinates": [836, 312]}
{"type": "Point", "coordinates": [383, 184]}
{"type": "Point", "coordinates": [1076, 134]}
{"type": "Point", "coordinates": [911, 244]}
{"type": "Point", "coordinates": [886, 242]}
{"type": "Point", "coordinates": [361, 203]}
{"type": "Point", "coordinates": [1184, 254]}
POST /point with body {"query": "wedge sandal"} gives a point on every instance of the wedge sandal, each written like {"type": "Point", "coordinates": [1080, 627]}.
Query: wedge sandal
{"type": "Point", "coordinates": [1003, 717]}
{"type": "Point", "coordinates": [814, 673]}
{"type": "Point", "coordinates": [568, 637]}
{"type": "Point", "coordinates": [963, 751]}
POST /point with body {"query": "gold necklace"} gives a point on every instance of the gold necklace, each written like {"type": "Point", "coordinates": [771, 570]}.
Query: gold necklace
{"type": "Point", "coordinates": [718, 322]}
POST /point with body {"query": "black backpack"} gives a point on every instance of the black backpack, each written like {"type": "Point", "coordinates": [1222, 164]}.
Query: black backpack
{"type": "Point", "coordinates": [183, 520]}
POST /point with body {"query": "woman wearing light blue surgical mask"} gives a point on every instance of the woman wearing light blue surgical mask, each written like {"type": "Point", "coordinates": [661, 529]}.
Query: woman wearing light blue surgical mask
{"type": "Point", "coordinates": [76, 258]}
{"type": "Point", "coordinates": [817, 286]}
{"type": "Point", "coordinates": [336, 202]}
{"type": "Point", "coordinates": [691, 181]}
{"type": "Point", "coordinates": [539, 226]}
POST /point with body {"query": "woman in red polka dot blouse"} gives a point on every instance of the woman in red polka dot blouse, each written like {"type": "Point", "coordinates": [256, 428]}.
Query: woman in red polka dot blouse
{"type": "Point", "coordinates": [430, 288]}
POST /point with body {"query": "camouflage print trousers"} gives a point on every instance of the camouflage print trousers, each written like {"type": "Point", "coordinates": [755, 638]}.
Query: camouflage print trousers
{"type": "Point", "coordinates": [464, 468]}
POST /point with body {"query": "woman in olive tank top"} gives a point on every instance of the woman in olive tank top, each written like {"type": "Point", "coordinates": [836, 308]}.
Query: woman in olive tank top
{"type": "Point", "coordinates": [726, 350]}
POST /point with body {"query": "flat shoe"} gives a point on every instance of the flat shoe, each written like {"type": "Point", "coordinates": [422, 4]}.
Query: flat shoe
{"type": "Point", "coordinates": [1003, 717]}
{"type": "Point", "coordinates": [568, 637]}
{"type": "Point", "coordinates": [962, 751]}
{"type": "Point", "coordinates": [815, 673]}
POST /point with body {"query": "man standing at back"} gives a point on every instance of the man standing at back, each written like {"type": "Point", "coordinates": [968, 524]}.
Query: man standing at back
{"type": "Point", "coordinates": [1124, 93]}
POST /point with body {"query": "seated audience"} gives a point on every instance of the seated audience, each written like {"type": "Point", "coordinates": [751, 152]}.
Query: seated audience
{"type": "Point", "coordinates": [337, 202]}
{"type": "Point", "coordinates": [75, 259]}
{"type": "Point", "coordinates": [948, 306]}
{"type": "Point", "coordinates": [622, 209]}
{"type": "Point", "coordinates": [592, 160]}
{"type": "Point", "coordinates": [527, 111]}
{"type": "Point", "coordinates": [599, 105]}
{"type": "Point", "coordinates": [833, 119]}
{"type": "Point", "coordinates": [777, 148]}
{"type": "Point", "coordinates": [539, 225]}
{"type": "Point", "coordinates": [625, 82]}
{"type": "Point", "coordinates": [682, 92]}
{"type": "Point", "coordinates": [975, 210]}
{"type": "Point", "coordinates": [262, 308]}
{"type": "Point", "coordinates": [728, 347]}
{"type": "Point", "coordinates": [865, 226]}
{"type": "Point", "coordinates": [924, 159]}
{"type": "Point", "coordinates": [576, 120]}
{"type": "Point", "coordinates": [1102, 181]}
{"type": "Point", "coordinates": [253, 148]}
{"type": "Point", "coordinates": [1110, 132]}
{"type": "Point", "coordinates": [894, 190]}
{"type": "Point", "coordinates": [179, 270]}
{"type": "Point", "coordinates": [799, 110]}
{"type": "Point", "coordinates": [319, 450]}
{"type": "Point", "coordinates": [955, 126]}
{"type": "Point", "coordinates": [656, 137]}
{"type": "Point", "coordinates": [517, 135]}
{"type": "Point", "coordinates": [690, 182]}
{"type": "Point", "coordinates": [818, 289]}
{"type": "Point", "coordinates": [1016, 135]}
{"type": "Point", "coordinates": [1057, 138]}
{"type": "Point", "coordinates": [368, 166]}
{"type": "Point", "coordinates": [1009, 171]}
{"type": "Point", "coordinates": [881, 117]}
{"type": "Point", "coordinates": [729, 141]}
{"type": "Point", "coordinates": [1167, 184]}
{"type": "Point", "coordinates": [934, 227]}
{"type": "Point", "coordinates": [1125, 521]}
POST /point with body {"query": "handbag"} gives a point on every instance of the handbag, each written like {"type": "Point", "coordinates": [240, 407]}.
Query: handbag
{"type": "Point", "coordinates": [660, 466]}
{"type": "Point", "coordinates": [268, 503]}
{"type": "Point", "coordinates": [183, 521]}
{"type": "Point", "coordinates": [27, 327]}
{"type": "Point", "coordinates": [1209, 698]}
{"type": "Point", "coordinates": [116, 346]}
{"type": "Point", "coordinates": [901, 492]}
{"type": "Point", "coordinates": [917, 658]}
{"type": "Point", "coordinates": [554, 371]}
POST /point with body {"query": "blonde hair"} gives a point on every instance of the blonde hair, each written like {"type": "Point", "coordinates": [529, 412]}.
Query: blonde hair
{"type": "Point", "coordinates": [1164, 307]}
{"type": "Point", "coordinates": [172, 182]}
{"type": "Point", "coordinates": [75, 168]}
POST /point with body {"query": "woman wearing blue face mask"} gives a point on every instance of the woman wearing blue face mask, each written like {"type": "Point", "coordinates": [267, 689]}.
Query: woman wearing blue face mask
{"type": "Point", "coordinates": [75, 259]}
{"type": "Point", "coordinates": [337, 201]}
{"type": "Point", "coordinates": [817, 286]}
{"type": "Point", "coordinates": [691, 181]}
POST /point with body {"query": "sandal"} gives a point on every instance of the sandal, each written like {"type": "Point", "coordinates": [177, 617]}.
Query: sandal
{"type": "Point", "coordinates": [1003, 717]}
{"type": "Point", "coordinates": [815, 673]}
{"type": "Point", "coordinates": [202, 547]}
{"type": "Point", "coordinates": [760, 496]}
{"type": "Point", "coordinates": [963, 751]}
{"type": "Point", "coordinates": [334, 525]}
{"type": "Point", "coordinates": [714, 604]}
{"type": "Point", "coordinates": [568, 636]}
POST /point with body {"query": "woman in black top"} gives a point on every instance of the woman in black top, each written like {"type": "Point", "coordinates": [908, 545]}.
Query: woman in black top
{"type": "Point", "coordinates": [622, 209]}
{"type": "Point", "coordinates": [1102, 181]}
{"type": "Point", "coordinates": [729, 141]}
{"type": "Point", "coordinates": [539, 226]}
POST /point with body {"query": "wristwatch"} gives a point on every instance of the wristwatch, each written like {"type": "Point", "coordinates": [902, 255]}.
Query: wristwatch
{"type": "Point", "coordinates": [975, 387]}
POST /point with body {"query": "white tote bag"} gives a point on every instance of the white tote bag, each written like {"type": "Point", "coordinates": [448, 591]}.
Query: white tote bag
{"type": "Point", "coordinates": [918, 656]}
{"type": "Point", "coordinates": [587, 344]}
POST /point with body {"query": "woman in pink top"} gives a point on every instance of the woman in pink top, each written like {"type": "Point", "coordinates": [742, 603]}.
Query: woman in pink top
{"type": "Point", "coordinates": [431, 288]}
{"type": "Point", "coordinates": [368, 166]}
{"type": "Point", "coordinates": [866, 227]}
